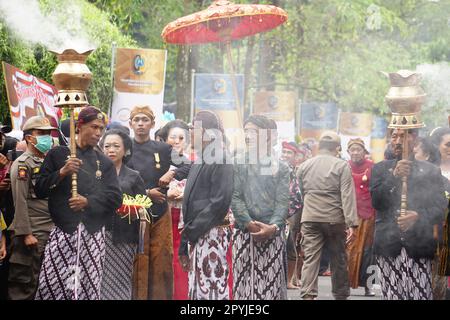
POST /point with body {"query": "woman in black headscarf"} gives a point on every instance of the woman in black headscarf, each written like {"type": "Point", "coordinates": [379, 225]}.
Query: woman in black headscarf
{"type": "Point", "coordinates": [207, 198]}
{"type": "Point", "coordinates": [121, 232]}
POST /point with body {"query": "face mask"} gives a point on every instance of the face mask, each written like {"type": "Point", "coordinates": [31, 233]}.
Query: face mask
{"type": "Point", "coordinates": [44, 143]}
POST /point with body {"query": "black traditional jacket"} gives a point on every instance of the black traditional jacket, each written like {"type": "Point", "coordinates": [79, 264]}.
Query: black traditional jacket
{"type": "Point", "coordinates": [102, 190]}
{"type": "Point", "coordinates": [123, 230]}
{"type": "Point", "coordinates": [426, 196]}
{"type": "Point", "coordinates": [152, 159]}
{"type": "Point", "coordinates": [207, 199]}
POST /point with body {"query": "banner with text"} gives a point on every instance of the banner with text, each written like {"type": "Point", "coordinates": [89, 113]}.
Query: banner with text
{"type": "Point", "coordinates": [315, 118]}
{"type": "Point", "coordinates": [139, 79]}
{"type": "Point", "coordinates": [378, 143]}
{"type": "Point", "coordinates": [279, 106]}
{"type": "Point", "coordinates": [29, 96]}
{"type": "Point", "coordinates": [215, 92]}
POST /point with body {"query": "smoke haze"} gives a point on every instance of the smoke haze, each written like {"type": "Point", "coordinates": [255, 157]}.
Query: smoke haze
{"type": "Point", "coordinates": [61, 28]}
{"type": "Point", "coordinates": [436, 82]}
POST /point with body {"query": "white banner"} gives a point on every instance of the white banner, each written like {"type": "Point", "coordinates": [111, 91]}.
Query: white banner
{"type": "Point", "coordinates": [139, 80]}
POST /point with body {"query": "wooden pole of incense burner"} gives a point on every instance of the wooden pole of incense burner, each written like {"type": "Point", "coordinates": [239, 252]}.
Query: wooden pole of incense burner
{"type": "Point", "coordinates": [404, 196]}
{"type": "Point", "coordinates": [73, 150]}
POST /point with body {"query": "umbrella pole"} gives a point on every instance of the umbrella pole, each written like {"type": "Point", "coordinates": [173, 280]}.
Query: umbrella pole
{"type": "Point", "coordinates": [234, 83]}
{"type": "Point", "coordinates": [73, 151]}
{"type": "Point", "coordinates": [404, 199]}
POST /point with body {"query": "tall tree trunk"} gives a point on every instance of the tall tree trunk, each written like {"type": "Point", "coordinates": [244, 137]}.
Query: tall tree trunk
{"type": "Point", "coordinates": [248, 71]}
{"type": "Point", "coordinates": [266, 77]}
{"type": "Point", "coordinates": [183, 82]}
{"type": "Point", "coordinates": [267, 56]}
{"type": "Point", "coordinates": [186, 61]}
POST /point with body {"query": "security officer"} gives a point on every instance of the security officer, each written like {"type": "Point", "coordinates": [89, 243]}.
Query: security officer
{"type": "Point", "coordinates": [32, 222]}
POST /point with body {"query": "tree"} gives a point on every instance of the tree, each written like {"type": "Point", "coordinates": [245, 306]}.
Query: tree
{"type": "Point", "coordinates": [328, 50]}
{"type": "Point", "coordinates": [333, 50]}
{"type": "Point", "coordinates": [144, 20]}
{"type": "Point", "coordinates": [37, 60]}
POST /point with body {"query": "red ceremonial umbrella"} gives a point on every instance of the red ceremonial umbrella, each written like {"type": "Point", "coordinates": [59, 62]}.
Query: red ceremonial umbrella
{"type": "Point", "coordinates": [224, 21]}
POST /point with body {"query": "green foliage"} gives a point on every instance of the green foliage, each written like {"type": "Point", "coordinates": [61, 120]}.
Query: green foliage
{"type": "Point", "coordinates": [144, 20]}
{"type": "Point", "coordinates": [328, 50]}
{"type": "Point", "coordinates": [38, 61]}
{"type": "Point", "coordinates": [13, 52]}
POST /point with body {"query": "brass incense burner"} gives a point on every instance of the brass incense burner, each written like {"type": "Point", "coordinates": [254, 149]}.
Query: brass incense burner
{"type": "Point", "coordinates": [405, 99]}
{"type": "Point", "coordinates": [72, 78]}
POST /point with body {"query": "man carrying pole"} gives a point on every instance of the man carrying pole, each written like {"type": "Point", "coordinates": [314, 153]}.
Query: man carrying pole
{"type": "Point", "coordinates": [404, 244]}
{"type": "Point", "coordinates": [409, 198]}
{"type": "Point", "coordinates": [74, 255]}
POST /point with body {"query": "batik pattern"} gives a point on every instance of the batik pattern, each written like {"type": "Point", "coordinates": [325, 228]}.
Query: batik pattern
{"type": "Point", "coordinates": [208, 275]}
{"type": "Point", "coordinates": [404, 278]}
{"type": "Point", "coordinates": [118, 270]}
{"type": "Point", "coordinates": [259, 269]}
{"type": "Point", "coordinates": [60, 274]}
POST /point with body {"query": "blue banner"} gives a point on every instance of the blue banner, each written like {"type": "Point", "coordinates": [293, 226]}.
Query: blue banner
{"type": "Point", "coordinates": [379, 128]}
{"type": "Point", "coordinates": [215, 91]}
{"type": "Point", "coordinates": [318, 116]}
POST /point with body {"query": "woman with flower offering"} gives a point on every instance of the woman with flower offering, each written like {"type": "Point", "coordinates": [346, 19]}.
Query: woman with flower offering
{"type": "Point", "coordinates": [123, 228]}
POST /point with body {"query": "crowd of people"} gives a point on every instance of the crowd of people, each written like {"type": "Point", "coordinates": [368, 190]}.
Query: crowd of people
{"type": "Point", "coordinates": [244, 224]}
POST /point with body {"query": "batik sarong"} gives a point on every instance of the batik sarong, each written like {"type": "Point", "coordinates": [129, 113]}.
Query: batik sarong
{"type": "Point", "coordinates": [404, 278]}
{"type": "Point", "coordinates": [438, 282]}
{"type": "Point", "coordinates": [208, 275]}
{"type": "Point", "coordinates": [259, 269]}
{"type": "Point", "coordinates": [118, 270]}
{"type": "Point", "coordinates": [73, 265]}
{"type": "Point", "coordinates": [359, 252]}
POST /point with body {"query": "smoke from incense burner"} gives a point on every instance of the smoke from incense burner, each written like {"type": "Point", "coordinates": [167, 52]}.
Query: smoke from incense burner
{"type": "Point", "coordinates": [59, 28]}
{"type": "Point", "coordinates": [436, 78]}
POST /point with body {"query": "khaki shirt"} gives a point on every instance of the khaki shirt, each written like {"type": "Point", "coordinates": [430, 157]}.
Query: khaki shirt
{"type": "Point", "coordinates": [328, 190]}
{"type": "Point", "coordinates": [31, 214]}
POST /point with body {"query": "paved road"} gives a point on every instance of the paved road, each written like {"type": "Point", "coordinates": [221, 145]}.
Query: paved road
{"type": "Point", "coordinates": [325, 292]}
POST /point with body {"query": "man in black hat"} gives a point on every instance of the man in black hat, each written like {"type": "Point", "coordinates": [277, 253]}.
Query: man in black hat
{"type": "Point", "coordinates": [73, 262]}
{"type": "Point", "coordinates": [405, 245]}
